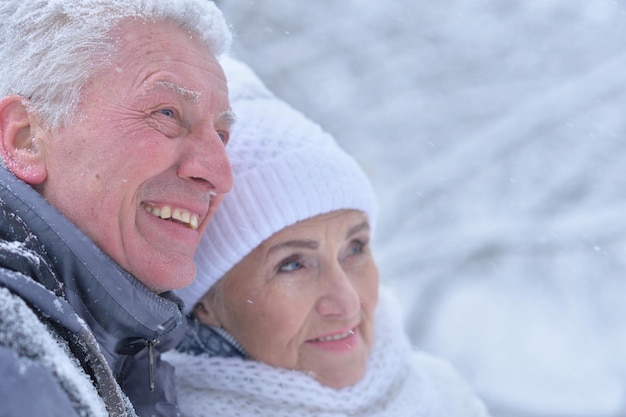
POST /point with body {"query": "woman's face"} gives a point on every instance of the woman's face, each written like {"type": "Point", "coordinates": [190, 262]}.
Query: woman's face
{"type": "Point", "coordinates": [304, 299]}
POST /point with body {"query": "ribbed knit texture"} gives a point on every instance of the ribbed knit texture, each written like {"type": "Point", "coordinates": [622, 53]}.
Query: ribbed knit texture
{"type": "Point", "coordinates": [399, 382]}
{"type": "Point", "coordinates": [286, 169]}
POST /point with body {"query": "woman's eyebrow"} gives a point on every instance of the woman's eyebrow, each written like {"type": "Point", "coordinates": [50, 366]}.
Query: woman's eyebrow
{"type": "Point", "coordinates": [300, 244]}
{"type": "Point", "coordinates": [358, 228]}
{"type": "Point", "coordinates": [313, 244]}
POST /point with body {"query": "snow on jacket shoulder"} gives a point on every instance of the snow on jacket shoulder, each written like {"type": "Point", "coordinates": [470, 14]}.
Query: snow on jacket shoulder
{"type": "Point", "coordinates": [68, 313]}
{"type": "Point", "coordinates": [38, 376]}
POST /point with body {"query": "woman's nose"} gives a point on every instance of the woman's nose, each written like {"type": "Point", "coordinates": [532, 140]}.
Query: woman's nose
{"type": "Point", "coordinates": [339, 297]}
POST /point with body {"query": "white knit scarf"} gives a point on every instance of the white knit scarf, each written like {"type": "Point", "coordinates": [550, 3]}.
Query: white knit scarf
{"type": "Point", "coordinates": [393, 385]}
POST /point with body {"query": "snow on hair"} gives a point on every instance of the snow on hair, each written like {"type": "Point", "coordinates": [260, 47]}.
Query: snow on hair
{"type": "Point", "coordinates": [50, 48]}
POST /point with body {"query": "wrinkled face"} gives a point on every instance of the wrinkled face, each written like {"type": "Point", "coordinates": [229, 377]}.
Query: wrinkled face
{"type": "Point", "coordinates": [142, 169]}
{"type": "Point", "coordinates": [304, 299]}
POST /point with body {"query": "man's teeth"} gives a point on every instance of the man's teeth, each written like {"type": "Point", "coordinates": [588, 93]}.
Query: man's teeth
{"type": "Point", "coordinates": [182, 216]}
{"type": "Point", "coordinates": [335, 337]}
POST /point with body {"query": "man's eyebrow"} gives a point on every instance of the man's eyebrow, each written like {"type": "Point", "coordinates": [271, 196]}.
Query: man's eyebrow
{"type": "Point", "coordinates": [189, 95]}
{"type": "Point", "coordinates": [229, 117]}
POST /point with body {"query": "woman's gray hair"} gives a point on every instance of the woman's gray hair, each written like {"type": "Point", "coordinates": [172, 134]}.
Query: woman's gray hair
{"type": "Point", "coordinates": [50, 48]}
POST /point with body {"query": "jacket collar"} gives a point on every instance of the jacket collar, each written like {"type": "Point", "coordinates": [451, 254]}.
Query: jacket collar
{"type": "Point", "coordinates": [124, 314]}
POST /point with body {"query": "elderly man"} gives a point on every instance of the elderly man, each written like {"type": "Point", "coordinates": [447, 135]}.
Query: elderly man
{"type": "Point", "coordinates": [113, 119]}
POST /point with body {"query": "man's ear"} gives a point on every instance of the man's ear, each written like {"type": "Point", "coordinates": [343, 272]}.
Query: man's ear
{"type": "Point", "coordinates": [20, 148]}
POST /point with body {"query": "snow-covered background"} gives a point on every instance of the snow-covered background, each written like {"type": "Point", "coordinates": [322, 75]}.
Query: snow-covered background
{"type": "Point", "coordinates": [494, 132]}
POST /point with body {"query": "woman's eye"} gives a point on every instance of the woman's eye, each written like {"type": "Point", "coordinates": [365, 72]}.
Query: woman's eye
{"type": "Point", "coordinates": [290, 266]}
{"type": "Point", "coordinates": [357, 248]}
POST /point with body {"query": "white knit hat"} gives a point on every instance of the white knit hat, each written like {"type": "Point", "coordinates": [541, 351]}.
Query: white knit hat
{"type": "Point", "coordinates": [286, 169]}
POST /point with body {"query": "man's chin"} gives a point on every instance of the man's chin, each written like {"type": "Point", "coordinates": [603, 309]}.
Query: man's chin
{"type": "Point", "coordinates": [168, 275]}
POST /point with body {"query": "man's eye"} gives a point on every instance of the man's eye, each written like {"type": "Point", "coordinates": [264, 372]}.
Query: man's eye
{"type": "Point", "coordinates": [167, 112]}
{"type": "Point", "coordinates": [223, 137]}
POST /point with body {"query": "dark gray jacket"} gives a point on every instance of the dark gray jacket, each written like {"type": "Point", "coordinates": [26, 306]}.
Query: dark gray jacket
{"type": "Point", "coordinates": [78, 335]}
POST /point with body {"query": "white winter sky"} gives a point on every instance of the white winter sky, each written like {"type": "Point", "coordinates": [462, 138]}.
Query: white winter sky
{"type": "Point", "coordinates": [495, 136]}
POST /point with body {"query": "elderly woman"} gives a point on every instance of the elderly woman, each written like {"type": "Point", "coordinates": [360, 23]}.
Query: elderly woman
{"type": "Point", "coordinates": [285, 312]}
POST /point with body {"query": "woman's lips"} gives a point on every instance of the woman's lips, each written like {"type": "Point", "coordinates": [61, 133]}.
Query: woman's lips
{"type": "Point", "coordinates": [340, 341]}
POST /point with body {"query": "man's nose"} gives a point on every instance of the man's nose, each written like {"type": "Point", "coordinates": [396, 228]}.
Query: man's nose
{"type": "Point", "coordinates": [205, 160]}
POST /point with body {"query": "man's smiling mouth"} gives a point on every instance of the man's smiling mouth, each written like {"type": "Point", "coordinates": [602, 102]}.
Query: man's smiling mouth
{"type": "Point", "coordinates": [175, 214]}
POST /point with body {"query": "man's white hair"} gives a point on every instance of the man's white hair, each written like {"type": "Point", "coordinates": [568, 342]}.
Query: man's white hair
{"type": "Point", "coordinates": [50, 48]}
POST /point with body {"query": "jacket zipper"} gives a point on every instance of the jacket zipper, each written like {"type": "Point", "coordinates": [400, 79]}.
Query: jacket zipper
{"type": "Point", "coordinates": [151, 344]}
